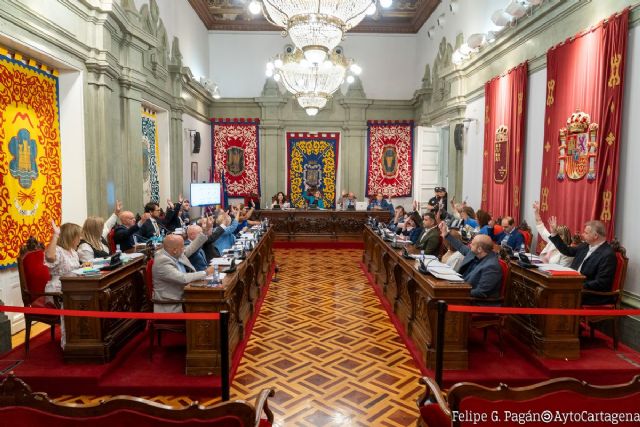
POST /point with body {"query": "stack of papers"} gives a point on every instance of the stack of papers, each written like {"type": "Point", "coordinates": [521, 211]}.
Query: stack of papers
{"type": "Point", "coordinates": [86, 271]}
{"type": "Point", "coordinates": [223, 261]}
{"type": "Point", "coordinates": [440, 270]}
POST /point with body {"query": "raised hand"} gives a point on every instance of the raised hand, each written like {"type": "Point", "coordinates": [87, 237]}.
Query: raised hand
{"type": "Point", "coordinates": [145, 216]}
{"type": "Point", "coordinates": [169, 203]}
{"type": "Point", "coordinates": [444, 229]}
{"type": "Point", "coordinates": [55, 228]}
{"type": "Point", "coordinates": [118, 207]}
{"type": "Point", "coordinates": [180, 198]}
{"type": "Point", "coordinates": [536, 207]}
{"type": "Point", "coordinates": [553, 225]}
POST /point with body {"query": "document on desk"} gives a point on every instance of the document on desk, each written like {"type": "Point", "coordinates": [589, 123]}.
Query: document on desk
{"type": "Point", "coordinates": [441, 271]}
{"type": "Point", "coordinates": [223, 261]}
{"type": "Point", "coordinates": [220, 276]}
{"type": "Point", "coordinates": [558, 270]}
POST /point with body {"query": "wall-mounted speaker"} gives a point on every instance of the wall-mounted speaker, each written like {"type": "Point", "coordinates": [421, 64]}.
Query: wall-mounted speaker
{"type": "Point", "coordinates": [458, 137]}
{"type": "Point", "coordinates": [196, 143]}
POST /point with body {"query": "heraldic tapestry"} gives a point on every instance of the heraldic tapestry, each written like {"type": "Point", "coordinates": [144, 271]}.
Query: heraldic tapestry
{"type": "Point", "coordinates": [505, 103]}
{"type": "Point", "coordinates": [30, 164]}
{"type": "Point", "coordinates": [235, 151]}
{"type": "Point", "coordinates": [150, 157]}
{"type": "Point", "coordinates": [312, 164]}
{"type": "Point", "coordinates": [580, 157]}
{"type": "Point", "coordinates": [390, 158]}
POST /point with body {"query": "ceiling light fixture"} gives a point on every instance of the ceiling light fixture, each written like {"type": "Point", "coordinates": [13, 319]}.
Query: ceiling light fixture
{"type": "Point", "coordinates": [317, 26]}
{"type": "Point", "coordinates": [312, 84]}
{"type": "Point", "coordinates": [516, 9]}
{"type": "Point", "coordinates": [500, 18]}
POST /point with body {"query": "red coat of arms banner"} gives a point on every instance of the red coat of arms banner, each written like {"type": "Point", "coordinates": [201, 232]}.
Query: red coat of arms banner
{"type": "Point", "coordinates": [235, 151]}
{"type": "Point", "coordinates": [390, 158]}
{"type": "Point", "coordinates": [581, 147]}
{"type": "Point", "coordinates": [505, 110]}
{"type": "Point", "coordinates": [30, 163]}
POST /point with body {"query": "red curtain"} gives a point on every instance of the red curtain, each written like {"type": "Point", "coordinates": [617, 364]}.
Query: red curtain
{"type": "Point", "coordinates": [585, 77]}
{"type": "Point", "coordinates": [505, 109]}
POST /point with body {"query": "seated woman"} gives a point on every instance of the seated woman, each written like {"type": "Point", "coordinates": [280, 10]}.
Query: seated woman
{"type": "Point", "coordinates": [550, 254]}
{"type": "Point", "coordinates": [315, 200]}
{"type": "Point", "coordinates": [469, 217]}
{"type": "Point", "coordinates": [452, 257]}
{"type": "Point", "coordinates": [94, 236]}
{"type": "Point", "coordinates": [61, 258]}
{"type": "Point", "coordinates": [279, 201]}
{"type": "Point", "coordinates": [410, 229]}
{"type": "Point", "coordinates": [399, 217]}
{"type": "Point", "coordinates": [484, 221]}
{"type": "Point", "coordinates": [244, 220]}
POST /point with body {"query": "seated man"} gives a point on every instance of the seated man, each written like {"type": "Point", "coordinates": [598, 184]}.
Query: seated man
{"type": "Point", "coordinates": [123, 232]}
{"type": "Point", "coordinates": [480, 266]}
{"type": "Point", "coordinates": [429, 240]}
{"type": "Point", "coordinates": [198, 258]}
{"type": "Point", "coordinates": [153, 226]}
{"type": "Point", "coordinates": [172, 270]}
{"type": "Point", "coordinates": [509, 236]}
{"type": "Point", "coordinates": [594, 258]}
{"type": "Point", "coordinates": [380, 204]}
{"type": "Point", "coordinates": [227, 238]}
{"type": "Point", "coordinates": [348, 201]}
{"type": "Point", "coordinates": [177, 215]}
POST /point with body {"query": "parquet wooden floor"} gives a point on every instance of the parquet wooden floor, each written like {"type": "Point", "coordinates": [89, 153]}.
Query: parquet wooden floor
{"type": "Point", "coordinates": [325, 343]}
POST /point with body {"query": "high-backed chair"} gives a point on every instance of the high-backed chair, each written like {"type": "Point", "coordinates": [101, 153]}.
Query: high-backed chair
{"type": "Point", "coordinates": [156, 327]}
{"type": "Point", "coordinates": [615, 294]}
{"type": "Point", "coordinates": [485, 321]}
{"type": "Point", "coordinates": [442, 408]}
{"type": "Point", "coordinates": [34, 276]}
{"type": "Point", "coordinates": [111, 240]}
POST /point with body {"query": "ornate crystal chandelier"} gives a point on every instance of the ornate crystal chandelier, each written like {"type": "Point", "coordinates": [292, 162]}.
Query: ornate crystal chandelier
{"type": "Point", "coordinates": [312, 84]}
{"type": "Point", "coordinates": [316, 26]}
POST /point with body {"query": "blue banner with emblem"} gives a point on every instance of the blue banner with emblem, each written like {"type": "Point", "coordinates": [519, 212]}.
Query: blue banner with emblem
{"type": "Point", "coordinates": [312, 165]}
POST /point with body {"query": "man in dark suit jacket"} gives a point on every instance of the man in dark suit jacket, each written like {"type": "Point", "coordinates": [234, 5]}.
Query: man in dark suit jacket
{"type": "Point", "coordinates": [594, 258]}
{"type": "Point", "coordinates": [480, 266]}
{"type": "Point", "coordinates": [429, 240]}
{"type": "Point", "coordinates": [153, 226]}
{"type": "Point", "coordinates": [509, 236]}
{"type": "Point", "coordinates": [123, 232]}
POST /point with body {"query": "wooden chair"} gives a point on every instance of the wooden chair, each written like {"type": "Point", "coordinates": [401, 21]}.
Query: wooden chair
{"type": "Point", "coordinates": [34, 276]}
{"type": "Point", "coordinates": [563, 395]}
{"type": "Point", "coordinates": [26, 408]}
{"type": "Point", "coordinates": [156, 327]}
{"type": "Point", "coordinates": [615, 293]}
{"type": "Point", "coordinates": [485, 321]}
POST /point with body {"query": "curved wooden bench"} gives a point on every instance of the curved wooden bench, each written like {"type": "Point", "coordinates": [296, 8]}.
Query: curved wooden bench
{"type": "Point", "coordinates": [26, 408]}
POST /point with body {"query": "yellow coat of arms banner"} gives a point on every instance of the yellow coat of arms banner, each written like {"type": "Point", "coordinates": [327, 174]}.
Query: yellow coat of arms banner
{"type": "Point", "coordinates": [31, 189]}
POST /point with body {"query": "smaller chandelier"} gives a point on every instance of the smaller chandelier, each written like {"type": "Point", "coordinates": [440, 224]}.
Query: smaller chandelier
{"type": "Point", "coordinates": [312, 84]}
{"type": "Point", "coordinates": [316, 26]}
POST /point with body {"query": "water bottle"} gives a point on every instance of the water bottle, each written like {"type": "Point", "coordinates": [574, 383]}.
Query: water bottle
{"type": "Point", "coordinates": [118, 251]}
{"type": "Point", "coordinates": [522, 249]}
{"type": "Point", "coordinates": [216, 275]}
{"type": "Point", "coordinates": [394, 239]}
{"type": "Point", "coordinates": [422, 254]}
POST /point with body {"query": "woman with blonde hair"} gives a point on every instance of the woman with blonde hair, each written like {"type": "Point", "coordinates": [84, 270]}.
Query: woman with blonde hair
{"type": "Point", "coordinates": [550, 254]}
{"type": "Point", "coordinates": [94, 236]}
{"type": "Point", "coordinates": [61, 258]}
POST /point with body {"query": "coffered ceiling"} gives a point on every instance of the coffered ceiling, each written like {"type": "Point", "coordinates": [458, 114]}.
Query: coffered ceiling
{"type": "Point", "coordinates": [404, 16]}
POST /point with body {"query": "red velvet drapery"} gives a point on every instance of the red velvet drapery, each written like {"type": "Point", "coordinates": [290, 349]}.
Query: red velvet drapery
{"type": "Point", "coordinates": [585, 76]}
{"type": "Point", "coordinates": [505, 109]}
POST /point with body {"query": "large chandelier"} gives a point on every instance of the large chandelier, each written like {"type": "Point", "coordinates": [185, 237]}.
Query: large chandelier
{"type": "Point", "coordinates": [316, 26]}
{"type": "Point", "coordinates": [312, 84]}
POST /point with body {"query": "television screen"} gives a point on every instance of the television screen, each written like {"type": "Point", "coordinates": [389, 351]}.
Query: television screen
{"type": "Point", "coordinates": [206, 193]}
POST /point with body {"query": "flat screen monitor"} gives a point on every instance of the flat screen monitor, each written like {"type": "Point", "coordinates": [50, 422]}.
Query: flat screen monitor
{"type": "Point", "coordinates": [206, 193]}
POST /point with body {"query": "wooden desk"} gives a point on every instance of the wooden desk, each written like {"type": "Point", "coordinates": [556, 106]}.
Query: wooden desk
{"type": "Point", "coordinates": [413, 295]}
{"type": "Point", "coordinates": [298, 224]}
{"type": "Point", "coordinates": [238, 294]}
{"type": "Point", "coordinates": [555, 337]}
{"type": "Point", "coordinates": [98, 340]}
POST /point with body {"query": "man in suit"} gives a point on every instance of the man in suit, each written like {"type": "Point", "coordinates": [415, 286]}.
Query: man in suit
{"type": "Point", "coordinates": [509, 235]}
{"type": "Point", "coordinates": [380, 204]}
{"type": "Point", "coordinates": [198, 259]}
{"type": "Point", "coordinates": [480, 266]}
{"type": "Point", "coordinates": [177, 215]}
{"type": "Point", "coordinates": [153, 226]}
{"type": "Point", "coordinates": [594, 259]}
{"type": "Point", "coordinates": [172, 270]}
{"type": "Point", "coordinates": [123, 232]}
{"type": "Point", "coordinates": [429, 240]}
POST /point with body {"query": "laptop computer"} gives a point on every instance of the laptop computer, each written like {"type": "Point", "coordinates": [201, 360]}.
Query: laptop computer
{"type": "Point", "coordinates": [361, 206]}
